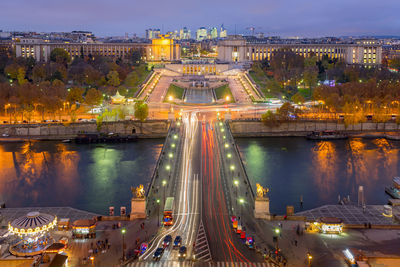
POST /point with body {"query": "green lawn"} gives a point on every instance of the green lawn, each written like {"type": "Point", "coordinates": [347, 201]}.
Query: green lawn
{"type": "Point", "coordinates": [306, 92]}
{"type": "Point", "coordinates": [223, 91]}
{"type": "Point", "coordinates": [136, 78]}
{"type": "Point", "coordinates": [174, 91]}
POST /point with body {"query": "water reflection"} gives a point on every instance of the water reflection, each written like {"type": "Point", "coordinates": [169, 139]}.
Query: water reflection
{"type": "Point", "coordinates": [320, 171]}
{"type": "Point", "coordinates": [86, 177]}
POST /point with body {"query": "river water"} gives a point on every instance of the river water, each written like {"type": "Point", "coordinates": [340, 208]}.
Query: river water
{"type": "Point", "coordinates": [88, 177]}
{"type": "Point", "coordinates": [320, 171]}
{"type": "Point", "coordinates": [94, 177]}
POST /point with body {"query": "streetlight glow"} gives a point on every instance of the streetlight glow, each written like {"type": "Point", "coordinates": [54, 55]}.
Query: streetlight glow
{"type": "Point", "coordinates": [236, 182]}
{"type": "Point", "coordinates": [170, 155]}
{"type": "Point", "coordinates": [168, 167]}
{"type": "Point", "coordinates": [164, 182]}
{"type": "Point", "coordinates": [232, 167]}
{"type": "Point", "coordinates": [229, 155]}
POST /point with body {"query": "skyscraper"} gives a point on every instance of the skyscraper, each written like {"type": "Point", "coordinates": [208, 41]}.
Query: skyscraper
{"type": "Point", "coordinates": [184, 34]}
{"type": "Point", "coordinates": [214, 33]}
{"type": "Point", "coordinates": [201, 34]}
{"type": "Point", "coordinates": [223, 33]}
{"type": "Point", "coordinates": [152, 33]}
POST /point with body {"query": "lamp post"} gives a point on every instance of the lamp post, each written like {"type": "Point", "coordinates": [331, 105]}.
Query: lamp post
{"type": "Point", "coordinates": [277, 232]}
{"type": "Point", "coordinates": [236, 183]}
{"type": "Point", "coordinates": [309, 258]}
{"type": "Point", "coordinates": [92, 260]}
{"type": "Point", "coordinates": [158, 211]}
{"type": "Point", "coordinates": [241, 201]}
{"type": "Point", "coordinates": [123, 231]}
{"type": "Point", "coordinates": [164, 183]}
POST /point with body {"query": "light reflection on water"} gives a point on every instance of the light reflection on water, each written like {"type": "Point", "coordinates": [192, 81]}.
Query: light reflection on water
{"type": "Point", "coordinates": [89, 177]}
{"type": "Point", "coordinates": [320, 171]}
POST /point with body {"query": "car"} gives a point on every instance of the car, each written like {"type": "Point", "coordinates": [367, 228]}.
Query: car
{"type": "Point", "coordinates": [167, 241]}
{"type": "Point", "coordinates": [158, 254]}
{"type": "Point", "coordinates": [177, 241]}
{"type": "Point", "coordinates": [182, 252]}
{"type": "Point", "coordinates": [5, 135]}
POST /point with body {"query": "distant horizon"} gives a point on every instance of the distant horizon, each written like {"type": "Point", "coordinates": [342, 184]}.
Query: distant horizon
{"type": "Point", "coordinates": [286, 18]}
{"type": "Point", "coordinates": [193, 32]}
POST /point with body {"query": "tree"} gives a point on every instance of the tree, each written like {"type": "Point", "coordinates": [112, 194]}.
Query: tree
{"type": "Point", "coordinates": [113, 78]}
{"type": "Point", "coordinates": [59, 55]}
{"type": "Point", "coordinates": [298, 98]}
{"type": "Point", "coordinates": [270, 119]}
{"type": "Point", "coordinates": [285, 111]}
{"type": "Point", "coordinates": [75, 95]}
{"type": "Point", "coordinates": [141, 110]}
{"type": "Point", "coordinates": [38, 73]}
{"type": "Point", "coordinates": [12, 70]}
{"type": "Point", "coordinates": [93, 97]}
{"type": "Point", "coordinates": [21, 76]}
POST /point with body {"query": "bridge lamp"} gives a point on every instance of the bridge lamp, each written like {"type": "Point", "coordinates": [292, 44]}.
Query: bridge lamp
{"type": "Point", "coordinates": [170, 155]}
{"type": "Point", "coordinates": [170, 98]}
{"type": "Point", "coordinates": [175, 136]}
{"type": "Point", "coordinates": [222, 130]}
{"type": "Point", "coordinates": [226, 145]}
{"type": "Point", "coordinates": [168, 168]}
{"type": "Point", "coordinates": [224, 137]}
{"type": "Point", "coordinates": [220, 124]}
{"type": "Point", "coordinates": [164, 182]}
{"type": "Point", "coordinates": [277, 231]}
{"type": "Point", "coordinates": [232, 167]}
{"type": "Point", "coordinates": [172, 145]}
{"type": "Point", "coordinates": [241, 200]}
{"type": "Point", "coordinates": [227, 98]}
{"type": "Point", "coordinates": [158, 201]}
{"type": "Point", "coordinates": [236, 183]}
{"type": "Point", "coordinates": [229, 155]}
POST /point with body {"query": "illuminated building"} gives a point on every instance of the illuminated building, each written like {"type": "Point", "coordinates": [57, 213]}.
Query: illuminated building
{"type": "Point", "coordinates": [152, 33]}
{"type": "Point", "coordinates": [201, 34]}
{"type": "Point", "coordinates": [184, 34]}
{"type": "Point", "coordinates": [240, 49]}
{"type": "Point", "coordinates": [214, 33]}
{"type": "Point", "coordinates": [223, 33]}
{"type": "Point", "coordinates": [161, 49]}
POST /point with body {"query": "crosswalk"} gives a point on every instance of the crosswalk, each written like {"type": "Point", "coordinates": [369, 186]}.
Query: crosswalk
{"type": "Point", "coordinates": [202, 249]}
{"type": "Point", "coordinates": [199, 264]}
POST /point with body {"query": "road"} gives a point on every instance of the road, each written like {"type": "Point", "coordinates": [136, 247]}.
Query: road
{"type": "Point", "coordinates": [225, 245]}
{"type": "Point", "coordinates": [187, 195]}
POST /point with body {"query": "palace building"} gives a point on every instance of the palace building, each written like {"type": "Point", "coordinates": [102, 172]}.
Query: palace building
{"type": "Point", "coordinates": [160, 49]}
{"type": "Point", "coordinates": [237, 49]}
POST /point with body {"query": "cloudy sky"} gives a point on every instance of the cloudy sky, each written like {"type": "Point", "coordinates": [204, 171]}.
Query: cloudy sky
{"type": "Point", "coordinates": [308, 18]}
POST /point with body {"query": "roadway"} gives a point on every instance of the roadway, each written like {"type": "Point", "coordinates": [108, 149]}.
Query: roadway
{"type": "Point", "coordinates": [225, 244]}
{"type": "Point", "coordinates": [187, 193]}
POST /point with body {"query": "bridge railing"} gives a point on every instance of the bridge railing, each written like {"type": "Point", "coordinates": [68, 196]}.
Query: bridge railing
{"type": "Point", "coordinates": [240, 159]}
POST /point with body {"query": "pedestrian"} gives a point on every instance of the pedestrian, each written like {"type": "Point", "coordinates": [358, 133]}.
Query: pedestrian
{"type": "Point", "coordinates": [295, 243]}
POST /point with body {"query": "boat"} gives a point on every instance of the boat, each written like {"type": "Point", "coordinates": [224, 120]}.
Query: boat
{"type": "Point", "coordinates": [326, 135]}
{"type": "Point", "coordinates": [66, 141]}
{"type": "Point", "coordinates": [395, 137]}
{"type": "Point", "coordinates": [393, 192]}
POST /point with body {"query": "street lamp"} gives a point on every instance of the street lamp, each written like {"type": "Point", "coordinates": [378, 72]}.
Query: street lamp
{"type": "Point", "coordinates": [309, 257]}
{"type": "Point", "coordinates": [158, 211]}
{"type": "Point", "coordinates": [241, 201]}
{"type": "Point", "coordinates": [164, 183]}
{"type": "Point", "coordinates": [277, 232]}
{"type": "Point", "coordinates": [92, 260]}
{"type": "Point", "coordinates": [236, 183]}
{"type": "Point", "coordinates": [123, 231]}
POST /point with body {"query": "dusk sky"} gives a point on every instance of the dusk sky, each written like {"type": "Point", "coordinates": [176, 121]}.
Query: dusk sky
{"type": "Point", "coordinates": [308, 18]}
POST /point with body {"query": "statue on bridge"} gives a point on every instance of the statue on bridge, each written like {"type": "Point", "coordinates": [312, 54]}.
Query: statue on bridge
{"type": "Point", "coordinates": [261, 191]}
{"type": "Point", "coordinates": [139, 191]}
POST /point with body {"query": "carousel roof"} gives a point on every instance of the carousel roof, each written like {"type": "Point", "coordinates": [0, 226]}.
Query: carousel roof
{"type": "Point", "coordinates": [33, 220]}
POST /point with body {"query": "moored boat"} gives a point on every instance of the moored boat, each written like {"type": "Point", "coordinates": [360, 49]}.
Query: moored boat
{"type": "Point", "coordinates": [326, 135]}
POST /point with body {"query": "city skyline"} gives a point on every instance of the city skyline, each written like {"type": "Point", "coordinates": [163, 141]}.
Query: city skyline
{"type": "Point", "coordinates": [285, 19]}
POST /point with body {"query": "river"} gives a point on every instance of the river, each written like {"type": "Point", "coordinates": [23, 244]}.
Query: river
{"type": "Point", "coordinates": [320, 171]}
{"type": "Point", "coordinates": [88, 177]}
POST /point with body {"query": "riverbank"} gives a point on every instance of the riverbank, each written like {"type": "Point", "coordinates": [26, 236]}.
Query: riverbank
{"type": "Point", "coordinates": [257, 128]}
{"type": "Point", "coordinates": [62, 131]}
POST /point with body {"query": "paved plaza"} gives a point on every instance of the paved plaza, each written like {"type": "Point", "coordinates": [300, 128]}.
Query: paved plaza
{"type": "Point", "coordinates": [350, 214]}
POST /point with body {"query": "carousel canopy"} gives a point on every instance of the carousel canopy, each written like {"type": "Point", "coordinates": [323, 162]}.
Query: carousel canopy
{"type": "Point", "coordinates": [33, 222]}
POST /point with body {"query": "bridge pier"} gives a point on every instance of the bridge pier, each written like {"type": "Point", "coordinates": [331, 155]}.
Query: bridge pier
{"type": "Point", "coordinates": [138, 208]}
{"type": "Point", "coordinates": [261, 208]}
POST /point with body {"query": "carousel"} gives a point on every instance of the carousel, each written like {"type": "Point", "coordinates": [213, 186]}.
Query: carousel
{"type": "Point", "coordinates": [32, 231]}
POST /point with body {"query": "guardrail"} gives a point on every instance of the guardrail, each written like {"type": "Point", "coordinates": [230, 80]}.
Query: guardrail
{"type": "Point", "coordinates": [144, 84]}
{"type": "Point", "coordinates": [240, 159]}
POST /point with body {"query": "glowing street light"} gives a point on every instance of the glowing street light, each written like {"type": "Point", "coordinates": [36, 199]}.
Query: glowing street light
{"type": "Point", "coordinates": [226, 145]}
{"type": "Point", "coordinates": [170, 155]}
{"type": "Point", "coordinates": [92, 260]}
{"type": "Point", "coordinates": [232, 167]}
{"type": "Point", "coordinates": [172, 145]}
{"type": "Point", "coordinates": [123, 232]}
{"type": "Point", "coordinates": [164, 183]}
{"type": "Point", "coordinates": [168, 167]}
{"type": "Point", "coordinates": [170, 98]}
{"type": "Point", "coordinates": [175, 136]}
{"type": "Point", "coordinates": [309, 258]}
{"type": "Point", "coordinates": [227, 98]}
{"type": "Point", "coordinates": [158, 211]}
{"type": "Point", "coordinates": [229, 155]}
